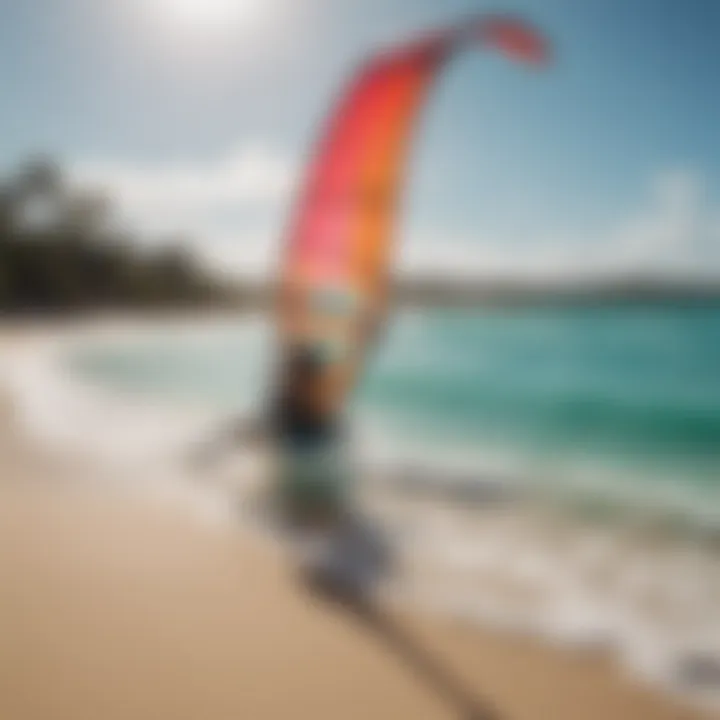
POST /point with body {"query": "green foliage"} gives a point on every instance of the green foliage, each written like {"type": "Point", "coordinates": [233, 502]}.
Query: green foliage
{"type": "Point", "coordinates": [60, 250]}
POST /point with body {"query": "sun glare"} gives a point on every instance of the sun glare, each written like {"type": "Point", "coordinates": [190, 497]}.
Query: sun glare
{"type": "Point", "coordinates": [207, 14]}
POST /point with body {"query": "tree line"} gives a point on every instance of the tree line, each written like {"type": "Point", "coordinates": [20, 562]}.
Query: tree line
{"type": "Point", "coordinates": [62, 249]}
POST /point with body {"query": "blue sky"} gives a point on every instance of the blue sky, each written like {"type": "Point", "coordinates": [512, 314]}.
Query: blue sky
{"type": "Point", "coordinates": [609, 162]}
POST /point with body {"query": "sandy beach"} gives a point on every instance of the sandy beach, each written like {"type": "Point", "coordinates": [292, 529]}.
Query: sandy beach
{"type": "Point", "coordinates": [112, 607]}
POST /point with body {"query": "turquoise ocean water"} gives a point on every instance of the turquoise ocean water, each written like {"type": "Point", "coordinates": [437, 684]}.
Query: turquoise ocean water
{"type": "Point", "coordinates": [635, 390]}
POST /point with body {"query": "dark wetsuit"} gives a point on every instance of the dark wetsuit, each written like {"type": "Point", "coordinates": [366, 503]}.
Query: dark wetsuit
{"type": "Point", "coordinates": [312, 473]}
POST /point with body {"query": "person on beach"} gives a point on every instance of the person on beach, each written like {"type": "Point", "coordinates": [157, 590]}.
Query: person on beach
{"type": "Point", "coordinates": [312, 475]}
{"type": "Point", "coordinates": [310, 493]}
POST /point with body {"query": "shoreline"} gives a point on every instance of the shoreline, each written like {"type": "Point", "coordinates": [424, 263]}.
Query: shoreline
{"type": "Point", "coordinates": [113, 606]}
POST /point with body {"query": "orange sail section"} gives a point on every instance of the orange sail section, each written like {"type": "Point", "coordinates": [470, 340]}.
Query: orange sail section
{"type": "Point", "coordinates": [337, 261]}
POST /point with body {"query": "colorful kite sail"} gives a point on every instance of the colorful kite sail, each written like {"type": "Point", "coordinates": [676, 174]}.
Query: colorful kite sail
{"type": "Point", "coordinates": [336, 267]}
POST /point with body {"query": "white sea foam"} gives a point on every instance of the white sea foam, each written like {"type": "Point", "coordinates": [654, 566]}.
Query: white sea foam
{"type": "Point", "coordinates": [655, 601]}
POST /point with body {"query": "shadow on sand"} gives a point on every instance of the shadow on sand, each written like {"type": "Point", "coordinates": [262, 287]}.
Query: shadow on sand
{"type": "Point", "coordinates": [463, 703]}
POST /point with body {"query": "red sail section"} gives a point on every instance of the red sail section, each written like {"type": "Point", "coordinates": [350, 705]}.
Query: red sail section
{"type": "Point", "coordinates": [336, 265]}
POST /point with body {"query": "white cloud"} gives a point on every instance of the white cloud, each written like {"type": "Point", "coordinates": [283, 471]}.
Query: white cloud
{"type": "Point", "coordinates": [231, 209]}
{"type": "Point", "coordinates": [235, 208]}
{"type": "Point", "coordinates": [177, 194]}
{"type": "Point", "coordinates": [253, 253]}
{"type": "Point", "coordinates": [673, 234]}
